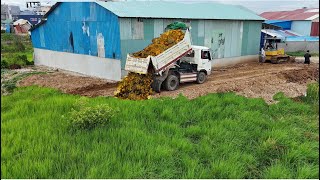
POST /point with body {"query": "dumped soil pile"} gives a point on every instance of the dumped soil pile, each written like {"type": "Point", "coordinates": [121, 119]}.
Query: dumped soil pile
{"type": "Point", "coordinates": [302, 76]}
{"type": "Point", "coordinates": [138, 86]}
{"type": "Point", "coordinates": [135, 87]}
{"type": "Point", "coordinates": [160, 44]}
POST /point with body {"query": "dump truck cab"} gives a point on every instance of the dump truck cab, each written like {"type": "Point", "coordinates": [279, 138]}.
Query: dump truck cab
{"type": "Point", "coordinates": [194, 66]}
{"type": "Point", "coordinates": [271, 51]}
{"type": "Point", "coordinates": [201, 56]}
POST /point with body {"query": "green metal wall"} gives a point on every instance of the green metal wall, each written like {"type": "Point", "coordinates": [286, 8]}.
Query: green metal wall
{"type": "Point", "coordinates": [251, 37]}
{"type": "Point", "coordinates": [226, 38]}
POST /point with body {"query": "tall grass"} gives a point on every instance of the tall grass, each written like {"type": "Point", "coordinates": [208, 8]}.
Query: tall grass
{"type": "Point", "coordinates": [301, 54]}
{"type": "Point", "coordinates": [16, 50]}
{"type": "Point", "coordinates": [214, 136]}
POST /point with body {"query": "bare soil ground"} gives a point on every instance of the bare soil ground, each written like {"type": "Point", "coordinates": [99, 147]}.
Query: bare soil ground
{"type": "Point", "coordinates": [251, 80]}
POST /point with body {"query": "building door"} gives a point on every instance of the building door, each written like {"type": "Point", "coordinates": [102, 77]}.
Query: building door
{"type": "Point", "coordinates": [217, 43]}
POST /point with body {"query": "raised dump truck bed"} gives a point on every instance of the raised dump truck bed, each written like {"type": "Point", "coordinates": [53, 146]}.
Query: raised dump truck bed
{"type": "Point", "coordinates": [179, 64]}
{"type": "Point", "coordinates": [161, 61]}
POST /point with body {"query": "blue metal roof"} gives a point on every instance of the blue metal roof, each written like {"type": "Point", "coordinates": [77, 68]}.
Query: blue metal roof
{"type": "Point", "coordinates": [177, 10]}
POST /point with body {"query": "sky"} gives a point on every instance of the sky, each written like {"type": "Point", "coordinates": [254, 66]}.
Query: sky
{"type": "Point", "coordinates": [258, 6]}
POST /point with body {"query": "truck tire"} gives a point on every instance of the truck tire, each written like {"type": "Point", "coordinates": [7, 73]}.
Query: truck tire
{"type": "Point", "coordinates": [201, 78]}
{"type": "Point", "coordinates": [171, 83]}
{"type": "Point", "coordinates": [156, 86]}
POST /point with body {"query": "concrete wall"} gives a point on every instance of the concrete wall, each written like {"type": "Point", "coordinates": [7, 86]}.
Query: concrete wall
{"type": "Point", "coordinates": [301, 27]}
{"type": "Point", "coordinates": [84, 64]}
{"type": "Point", "coordinates": [293, 46]}
{"type": "Point", "coordinates": [231, 61]}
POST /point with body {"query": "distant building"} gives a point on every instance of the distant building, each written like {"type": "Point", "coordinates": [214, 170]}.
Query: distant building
{"type": "Point", "coordinates": [9, 11]}
{"type": "Point", "coordinates": [27, 12]}
{"type": "Point", "coordinates": [14, 10]}
{"type": "Point", "coordinates": [21, 26]}
{"type": "Point", "coordinates": [4, 12]}
{"type": "Point", "coordinates": [37, 7]}
{"type": "Point", "coordinates": [94, 38]}
{"type": "Point", "coordinates": [303, 21]}
{"type": "Point", "coordinates": [33, 19]}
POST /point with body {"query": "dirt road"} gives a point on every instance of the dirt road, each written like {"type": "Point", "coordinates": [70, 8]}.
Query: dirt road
{"type": "Point", "coordinates": [251, 80]}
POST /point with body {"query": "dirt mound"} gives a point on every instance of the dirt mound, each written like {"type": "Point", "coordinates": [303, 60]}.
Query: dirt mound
{"type": "Point", "coordinates": [72, 84]}
{"type": "Point", "coordinates": [251, 80]}
{"type": "Point", "coordinates": [135, 87]}
{"type": "Point", "coordinates": [302, 75]}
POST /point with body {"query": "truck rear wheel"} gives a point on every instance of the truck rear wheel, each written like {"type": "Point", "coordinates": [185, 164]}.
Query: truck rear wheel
{"type": "Point", "coordinates": [171, 83]}
{"type": "Point", "coordinates": [201, 77]}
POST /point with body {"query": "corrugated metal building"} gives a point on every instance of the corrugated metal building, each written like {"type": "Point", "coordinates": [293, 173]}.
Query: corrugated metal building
{"type": "Point", "coordinates": [304, 21]}
{"type": "Point", "coordinates": [94, 38]}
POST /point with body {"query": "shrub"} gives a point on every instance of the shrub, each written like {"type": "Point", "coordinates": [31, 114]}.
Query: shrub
{"type": "Point", "coordinates": [15, 61]}
{"type": "Point", "coordinates": [30, 62]}
{"type": "Point", "coordinates": [87, 118]}
{"type": "Point", "coordinates": [4, 64]}
{"type": "Point", "coordinates": [19, 45]}
{"type": "Point", "coordinates": [3, 31]}
{"type": "Point", "coordinates": [313, 93]}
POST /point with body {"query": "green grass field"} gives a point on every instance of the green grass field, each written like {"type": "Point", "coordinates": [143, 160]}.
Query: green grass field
{"type": "Point", "coordinates": [301, 54]}
{"type": "Point", "coordinates": [214, 136]}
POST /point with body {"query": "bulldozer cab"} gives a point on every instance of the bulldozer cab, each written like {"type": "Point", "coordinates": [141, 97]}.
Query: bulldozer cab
{"type": "Point", "coordinates": [271, 44]}
{"type": "Point", "coordinates": [272, 52]}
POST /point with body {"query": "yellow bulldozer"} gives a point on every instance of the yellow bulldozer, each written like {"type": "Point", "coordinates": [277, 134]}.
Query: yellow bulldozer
{"type": "Point", "coordinates": [271, 52]}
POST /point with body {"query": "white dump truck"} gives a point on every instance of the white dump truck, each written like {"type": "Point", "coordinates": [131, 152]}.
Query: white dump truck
{"type": "Point", "coordinates": [181, 63]}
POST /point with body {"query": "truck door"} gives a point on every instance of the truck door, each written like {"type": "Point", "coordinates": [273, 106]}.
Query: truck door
{"type": "Point", "coordinates": [205, 61]}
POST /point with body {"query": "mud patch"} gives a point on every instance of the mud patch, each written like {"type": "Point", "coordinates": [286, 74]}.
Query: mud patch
{"type": "Point", "coordinates": [72, 84]}
{"type": "Point", "coordinates": [302, 75]}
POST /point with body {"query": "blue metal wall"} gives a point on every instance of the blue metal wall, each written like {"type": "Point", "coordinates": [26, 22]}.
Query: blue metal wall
{"type": "Point", "coordinates": [302, 27]}
{"type": "Point", "coordinates": [286, 25]}
{"type": "Point", "coordinates": [86, 21]}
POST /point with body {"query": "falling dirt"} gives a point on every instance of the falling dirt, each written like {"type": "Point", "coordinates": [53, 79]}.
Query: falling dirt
{"type": "Point", "coordinates": [251, 80]}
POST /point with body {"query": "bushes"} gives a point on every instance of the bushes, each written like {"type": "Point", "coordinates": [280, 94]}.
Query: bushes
{"type": "Point", "coordinates": [19, 45]}
{"type": "Point", "coordinates": [4, 64]}
{"type": "Point", "coordinates": [300, 53]}
{"type": "Point", "coordinates": [15, 43]}
{"type": "Point", "coordinates": [90, 117]}
{"type": "Point", "coordinates": [14, 61]}
{"type": "Point", "coordinates": [313, 93]}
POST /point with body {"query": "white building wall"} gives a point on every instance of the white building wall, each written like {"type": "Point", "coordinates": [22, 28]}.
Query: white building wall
{"type": "Point", "coordinates": [301, 27]}
{"type": "Point", "coordinates": [88, 65]}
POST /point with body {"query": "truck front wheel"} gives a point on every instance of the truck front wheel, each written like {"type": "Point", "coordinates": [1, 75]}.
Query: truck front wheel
{"type": "Point", "coordinates": [171, 83]}
{"type": "Point", "coordinates": [201, 77]}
